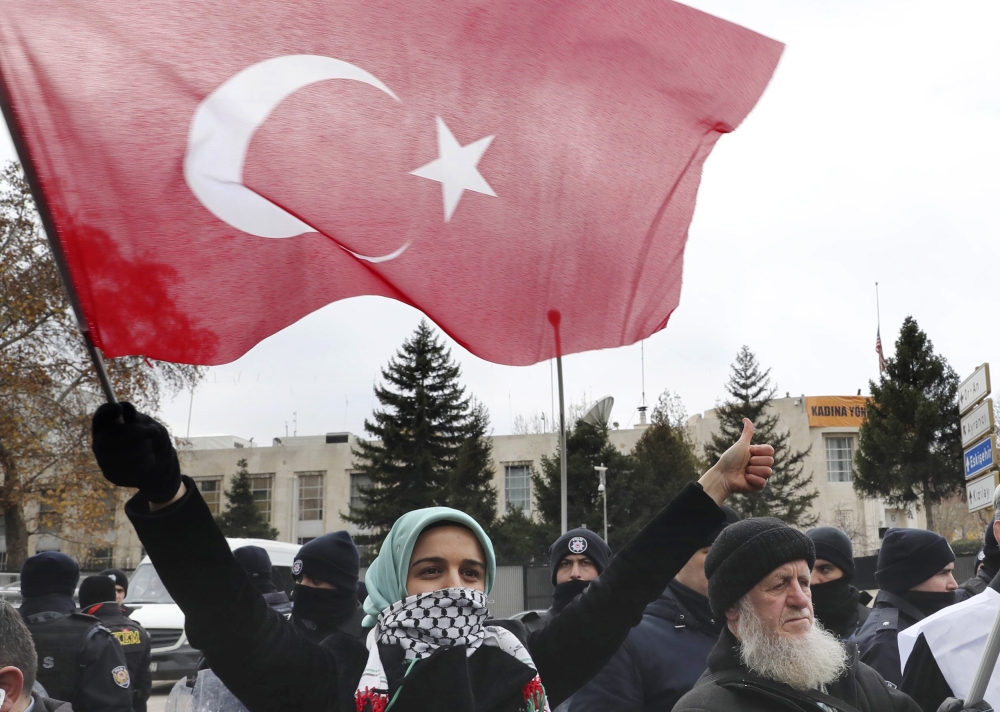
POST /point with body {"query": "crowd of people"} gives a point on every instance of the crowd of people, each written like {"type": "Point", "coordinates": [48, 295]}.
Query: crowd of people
{"type": "Point", "coordinates": [700, 611]}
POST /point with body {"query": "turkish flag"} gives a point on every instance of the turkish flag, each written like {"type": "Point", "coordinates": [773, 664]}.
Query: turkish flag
{"type": "Point", "coordinates": [217, 171]}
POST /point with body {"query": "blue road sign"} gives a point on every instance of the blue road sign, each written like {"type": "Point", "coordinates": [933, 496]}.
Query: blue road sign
{"type": "Point", "coordinates": [980, 457]}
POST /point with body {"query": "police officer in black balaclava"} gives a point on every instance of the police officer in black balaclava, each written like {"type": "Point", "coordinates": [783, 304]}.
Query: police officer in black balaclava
{"type": "Point", "coordinates": [325, 595]}
{"type": "Point", "coordinates": [988, 563]}
{"type": "Point", "coordinates": [78, 659]}
{"type": "Point", "coordinates": [256, 562]}
{"type": "Point", "coordinates": [841, 608]}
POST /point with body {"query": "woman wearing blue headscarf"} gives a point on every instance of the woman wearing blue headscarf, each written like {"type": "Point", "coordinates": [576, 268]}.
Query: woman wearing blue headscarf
{"type": "Point", "coordinates": [431, 645]}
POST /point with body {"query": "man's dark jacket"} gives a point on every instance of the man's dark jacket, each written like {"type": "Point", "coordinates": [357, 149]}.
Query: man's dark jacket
{"type": "Point", "coordinates": [350, 625]}
{"type": "Point", "coordinates": [860, 687]}
{"type": "Point", "coordinates": [272, 667]}
{"type": "Point", "coordinates": [661, 660]}
{"type": "Point", "coordinates": [135, 644]}
{"type": "Point", "coordinates": [877, 639]}
{"type": "Point", "coordinates": [974, 586]}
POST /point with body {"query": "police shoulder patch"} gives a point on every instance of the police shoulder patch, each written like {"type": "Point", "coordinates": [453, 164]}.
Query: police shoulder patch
{"type": "Point", "coordinates": [121, 677]}
{"type": "Point", "coordinates": [577, 545]}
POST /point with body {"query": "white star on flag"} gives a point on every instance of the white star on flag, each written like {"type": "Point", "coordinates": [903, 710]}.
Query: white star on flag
{"type": "Point", "coordinates": [455, 169]}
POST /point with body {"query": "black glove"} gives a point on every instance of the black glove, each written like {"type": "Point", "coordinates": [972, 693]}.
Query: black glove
{"type": "Point", "coordinates": [133, 450]}
{"type": "Point", "coordinates": [952, 704]}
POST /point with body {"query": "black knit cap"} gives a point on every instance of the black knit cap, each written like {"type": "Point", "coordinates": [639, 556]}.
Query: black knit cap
{"type": "Point", "coordinates": [745, 553]}
{"type": "Point", "coordinates": [991, 551]}
{"type": "Point", "coordinates": [255, 562]}
{"type": "Point", "coordinates": [579, 541]}
{"type": "Point", "coordinates": [49, 572]}
{"type": "Point", "coordinates": [834, 546]}
{"type": "Point", "coordinates": [96, 589]}
{"type": "Point", "coordinates": [118, 576]}
{"type": "Point", "coordinates": [332, 558]}
{"type": "Point", "coordinates": [909, 557]}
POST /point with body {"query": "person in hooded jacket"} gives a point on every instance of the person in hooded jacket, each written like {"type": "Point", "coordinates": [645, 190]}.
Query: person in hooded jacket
{"type": "Point", "coordinates": [838, 606]}
{"type": "Point", "coordinates": [914, 574]}
{"type": "Point", "coordinates": [257, 563]}
{"type": "Point", "coordinates": [80, 661]}
{"type": "Point", "coordinates": [575, 559]}
{"type": "Point", "coordinates": [989, 566]}
{"type": "Point", "coordinates": [98, 599]}
{"type": "Point", "coordinates": [325, 599]}
{"type": "Point", "coordinates": [663, 656]}
{"type": "Point", "coordinates": [429, 643]}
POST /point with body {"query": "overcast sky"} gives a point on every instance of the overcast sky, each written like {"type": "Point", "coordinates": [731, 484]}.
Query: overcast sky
{"type": "Point", "coordinates": [874, 155]}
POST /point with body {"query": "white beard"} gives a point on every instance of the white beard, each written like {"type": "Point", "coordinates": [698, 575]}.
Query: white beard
{"type": "Point", "coordinates": [804, 662]}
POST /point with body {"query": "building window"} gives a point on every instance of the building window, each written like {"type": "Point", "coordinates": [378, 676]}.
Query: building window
{"type": "Point", "coordinates": [517, 486]}
{"type": "Point", "coordinates": [310, 496]}
{"type": "Point", "coordinates": [305, 539]}
{"type": "Point", "coordinates": [358, 480]}
{"type": "Point", "coordinates": [262, 486]}
{"type": "Point", "coordinates": [839, 459]}
{"type": "Point", "coordinates": [211, 492]}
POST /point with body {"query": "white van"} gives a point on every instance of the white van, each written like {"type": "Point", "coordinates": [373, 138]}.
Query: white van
{"type": "Point", "coordinates": [152, 607]}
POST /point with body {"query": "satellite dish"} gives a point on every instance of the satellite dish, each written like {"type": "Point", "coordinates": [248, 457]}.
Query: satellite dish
{"type": "Point", "coordinates": [599, 413]}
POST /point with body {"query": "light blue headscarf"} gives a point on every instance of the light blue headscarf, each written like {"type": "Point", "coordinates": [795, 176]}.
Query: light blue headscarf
{"type": "Point", "coordinates": [386, 577]}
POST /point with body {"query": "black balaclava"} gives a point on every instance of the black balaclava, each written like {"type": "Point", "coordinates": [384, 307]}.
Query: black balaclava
{"type": "Point", "coordinates": [48, 581]}
{"type": "Point", "coordinates": [929, 602]}
{"type": "Point", "coordinates": [575, 541]}
{"type": "Point", "coordinates": [991, 552]}
{"type": "Point", "coordinates": [332, 558]}
{"type": "Point", "coordinates": [834, 602]}
{"type": "Point", "coordinates": [256, 562]}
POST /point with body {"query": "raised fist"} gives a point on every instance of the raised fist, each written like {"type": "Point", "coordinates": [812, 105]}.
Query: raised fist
{"type": "Point", "coordinates": [133, 450]}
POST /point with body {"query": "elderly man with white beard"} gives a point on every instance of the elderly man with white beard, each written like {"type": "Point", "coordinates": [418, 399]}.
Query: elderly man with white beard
{"type": "Point", "coordinates": [773, 655]}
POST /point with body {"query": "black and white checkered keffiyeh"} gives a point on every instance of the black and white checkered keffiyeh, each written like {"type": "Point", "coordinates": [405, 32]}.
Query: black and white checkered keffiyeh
{"type": "Point", "coordinates": [423, 623]}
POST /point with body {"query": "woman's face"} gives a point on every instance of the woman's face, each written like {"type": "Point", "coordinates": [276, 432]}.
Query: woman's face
{"type": "Point", "coordinates": [446, 557]}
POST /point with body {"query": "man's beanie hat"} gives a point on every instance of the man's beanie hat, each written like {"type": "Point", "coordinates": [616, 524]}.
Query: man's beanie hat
{"type": "Point", "coordinates": [909, 557]}
{"type": "Point", "coordinates": [746, 552]}
{"type": "Point", "coordinates": [332, 558]}
{"type": "Point", "coordinates": [96, 589]}
{"type": "Point", "coordinates": [990, 548]}
{"type": "Point", "coordinates": [49, 572]}
{"type": "Point", "coordinates": [118, 576]}
{"type": "Point", "coordinates": [731, 518]}
{"type": "Point", "coordinates": [579, 541]}
{"type": "Point", "coordinates": [254, 561]}
{"type": "Point", "coordinates": [834, 546]}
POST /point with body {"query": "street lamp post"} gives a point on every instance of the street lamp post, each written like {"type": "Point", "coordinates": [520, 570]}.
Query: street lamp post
{"type": "Point", "coordinates": [603, 490]}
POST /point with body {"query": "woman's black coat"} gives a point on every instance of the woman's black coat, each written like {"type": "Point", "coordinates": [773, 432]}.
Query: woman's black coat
{"type": "Point", "coordinates": [272, 667]}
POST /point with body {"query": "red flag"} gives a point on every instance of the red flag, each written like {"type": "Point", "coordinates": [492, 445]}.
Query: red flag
{"type": "Point", "coordinates": [217, 172]}
{"type": "Point", "coordinates": [878, 350]}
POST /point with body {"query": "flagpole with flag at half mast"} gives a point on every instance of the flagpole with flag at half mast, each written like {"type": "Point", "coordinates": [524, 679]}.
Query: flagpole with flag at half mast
{"type": "Point", "coordinates": [51, 234]}
{"type": "Point", "coordinates": [878, 334]}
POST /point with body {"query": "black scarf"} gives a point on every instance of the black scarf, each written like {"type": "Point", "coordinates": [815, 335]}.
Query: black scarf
{"type": "Point", "coordinates": [564, 593]}
{"type": "Point", "coordinates": [835, 603]}
{"type": "Point", "coordinates": [322, 609]}
{"type": "Point", "coordinates": [55, 602]}
{"type": "Point", "coordinates": [929, 602]}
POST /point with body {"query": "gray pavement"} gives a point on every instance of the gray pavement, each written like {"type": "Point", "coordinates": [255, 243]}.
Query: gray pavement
{"type": "Point", "coordinates": [158, 700]}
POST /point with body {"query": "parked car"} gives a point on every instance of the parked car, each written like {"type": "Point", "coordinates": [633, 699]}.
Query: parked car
{"type": "Point", "coordinates": [153, 608]}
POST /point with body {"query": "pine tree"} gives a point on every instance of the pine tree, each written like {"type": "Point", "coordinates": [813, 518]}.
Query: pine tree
{"type": "Point", "coordinates": [470, 484]}
{"type": "Point", "coordinates": [588, 446]}
{"type": "Point", "coordinates": [242, 517]}
{"type": "Point", "coordinates": [518, 539]}
{"type": "Point", "coordinates": [418, 435]}
{"type": "Point", "coordinates": [909, 446]}
{"type": "Point", "coordinates": [662, 463]}
{"type": "Point", "coordinates": [789, 493]}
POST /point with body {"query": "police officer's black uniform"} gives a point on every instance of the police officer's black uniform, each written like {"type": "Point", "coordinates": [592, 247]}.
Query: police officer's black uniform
{"type": "Point", "coordinates": [80, 662]}
{"type": "Point", "coordinates": [135, 644]}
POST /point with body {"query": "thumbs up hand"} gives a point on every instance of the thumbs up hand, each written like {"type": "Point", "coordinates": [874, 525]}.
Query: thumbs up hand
{"type": "Point", "coordinates": [742, 468]}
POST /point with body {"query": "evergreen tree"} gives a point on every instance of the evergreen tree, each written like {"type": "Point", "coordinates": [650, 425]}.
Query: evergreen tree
{"type": "Point", "coordinates": [588, 446]}
{"type": "Point", "coordinates": [422, 438]}
{"type": "Point", "coordinates": [518, 539]}
{"type": "Point", "coordinates": [909, 446]}
{"type": "Point", "coordinates": [470, 484]}
{"type": "Point", "coordinates": [662, 463]}
{"type": "Point", "coordinates": [789, 493]}
{"type": "Point", "coordinates": [242, 517]}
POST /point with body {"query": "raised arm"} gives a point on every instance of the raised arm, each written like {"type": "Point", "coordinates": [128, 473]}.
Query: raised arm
{"type": "Point", "coordinates": [575, 644]}
{"type": "Point", "coordinates": [261, 659]}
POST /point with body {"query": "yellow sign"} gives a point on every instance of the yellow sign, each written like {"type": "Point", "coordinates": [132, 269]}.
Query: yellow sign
{"type": "Point", "coordinates": [836, 411]}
